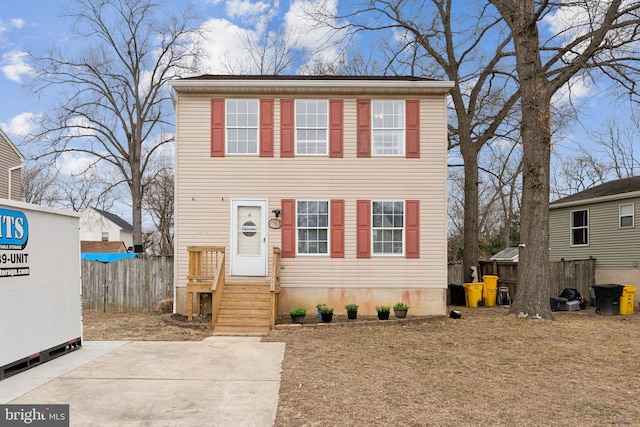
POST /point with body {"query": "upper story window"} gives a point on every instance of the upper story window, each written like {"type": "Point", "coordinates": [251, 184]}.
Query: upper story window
{"type": "Point", "coordinates": [626, 212]}
{"type": "Point", "coordinates": [580, 227]}
{"type": "Point", "coordinates": [242, 126]}
{"type": "Point", "coordinates": [105, 236]}
{"type": "Point", "coordinates": [312, 117]}
{"type": "Point", "coordinates": [313, 226]}
{"type": "Point", "coordinates": [388, 228]}
{"type": "Point", "coordinates": [387, 128]}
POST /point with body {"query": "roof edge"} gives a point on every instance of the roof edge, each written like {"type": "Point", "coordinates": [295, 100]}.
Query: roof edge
{"type": "Point", "coordinates": [601, 199]}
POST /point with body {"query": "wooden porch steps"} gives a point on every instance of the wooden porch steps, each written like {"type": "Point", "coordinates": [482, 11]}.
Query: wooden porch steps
{"type": "Point", "coordinates": [245, 309]}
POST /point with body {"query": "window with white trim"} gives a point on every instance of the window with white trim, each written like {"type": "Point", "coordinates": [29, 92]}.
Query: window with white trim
{"type": "Point", "coordinates": [580, 227]}
{"type": "Point", "coordinates": [312, 118]}
{"type": "Point", "coordinates": [387, 227]}
{"type": "Point", "coordinates": [626, 214]}
{"type": "Point", "coordinates": [312, 220]}
{"type": "Point", "coordinates": [242, 126]}
{"type": "Point", "coordinates": [387, 128]}
{"type": "Point", "coordinates": [105, 236]}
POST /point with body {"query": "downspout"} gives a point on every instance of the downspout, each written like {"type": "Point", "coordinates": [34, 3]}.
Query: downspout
{"type": "Point", "coordinates": [10, 171]}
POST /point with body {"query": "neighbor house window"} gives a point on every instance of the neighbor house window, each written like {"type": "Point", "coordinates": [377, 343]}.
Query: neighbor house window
{"type": "Point", "coordinates": [242, 126]}
{"type": "Point", "coordinates": [387, 128]}
{"type": "Point", "coordinates": [580, 227]}
{"type": "Point", "coordinates": [626, 215]}
{"type": "Point", "coordinates": [105, 236]}
{"type": "Point", "coordinates": [388, 228]}
{"type": "Point", "coordinates": [312, 118]}
{"type": "Point", "coordinates": [313, 226]}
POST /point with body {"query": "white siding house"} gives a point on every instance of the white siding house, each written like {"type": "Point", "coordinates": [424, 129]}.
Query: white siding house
{"type": "Point", "coordinates": [100, 226]}
{"type": "Point", "coordinates": [347, 175]}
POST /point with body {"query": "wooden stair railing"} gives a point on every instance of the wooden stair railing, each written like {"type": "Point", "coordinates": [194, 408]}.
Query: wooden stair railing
{"type": "Point", "coordinates": [275, 286]}
{"type": "Point", "coordinates": [206, 275]}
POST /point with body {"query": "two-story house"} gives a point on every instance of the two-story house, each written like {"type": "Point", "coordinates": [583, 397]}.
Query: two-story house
{"type": "Point", "coordinates": [600, 222]}
{"type": "Point", "coordinates": [346, 176]}
{"type": "Point", "coordinates": [10, 169]}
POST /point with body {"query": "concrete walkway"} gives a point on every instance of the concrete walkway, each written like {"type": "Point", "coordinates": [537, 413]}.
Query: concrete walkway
{"type": "Point", "coordinates": [220, 381]}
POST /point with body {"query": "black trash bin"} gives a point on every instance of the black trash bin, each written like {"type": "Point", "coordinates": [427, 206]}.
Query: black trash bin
{"type": "Point", "coordinates": [608, 298]}
{"type": "Point", "coordinates": [456, 294]}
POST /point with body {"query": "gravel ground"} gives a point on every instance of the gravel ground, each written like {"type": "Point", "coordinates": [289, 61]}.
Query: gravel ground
{"type": "Point", "coordinates": [487, 368]}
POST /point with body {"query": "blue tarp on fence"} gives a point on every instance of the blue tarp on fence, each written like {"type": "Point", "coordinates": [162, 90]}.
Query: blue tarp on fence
{"type": "Point", "coordinates": [106, 257]}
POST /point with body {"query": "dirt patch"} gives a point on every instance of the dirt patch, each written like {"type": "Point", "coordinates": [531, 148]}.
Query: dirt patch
{"type": "Point", "coordinates": [487, 368]}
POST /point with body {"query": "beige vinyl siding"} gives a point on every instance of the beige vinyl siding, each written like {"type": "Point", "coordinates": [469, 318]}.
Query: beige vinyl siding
{"type": "Point", "coordinates": [206, 185]}
{"type": "Point", "coordinates": [9, 159]}
{"type": "Point", "coordinates": [612, 246]}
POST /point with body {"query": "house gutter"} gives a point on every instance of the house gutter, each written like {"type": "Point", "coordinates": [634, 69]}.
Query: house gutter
{"type": "Point", "coordinates": [397, 87]}
{"type": "Point", "coordinates": [10, 171]}
{"type": "Point", "coordinates": [602, 199]}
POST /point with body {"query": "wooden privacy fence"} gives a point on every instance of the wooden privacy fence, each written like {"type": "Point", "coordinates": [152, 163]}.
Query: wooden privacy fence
{"type": "Point", "coordinates": [578, 274]}
{"type": "Point", "coordinates": [127, 285]}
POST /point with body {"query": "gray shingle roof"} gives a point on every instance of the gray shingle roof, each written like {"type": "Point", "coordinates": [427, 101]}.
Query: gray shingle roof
{"type": "Point", "coordinates": [619, 186]}
{"type": "Point", "coordinates": [116, 220]}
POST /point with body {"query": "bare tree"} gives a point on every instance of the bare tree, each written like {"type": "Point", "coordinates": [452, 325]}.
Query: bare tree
{"type": "Point", "coordinates": [39, 184]}
{"type": "Point", "coordinates": [111, 102]}
{"type": "Point", "coordinates": [601, 35]}
{"type": "Point", "coordinates": [159, 202]}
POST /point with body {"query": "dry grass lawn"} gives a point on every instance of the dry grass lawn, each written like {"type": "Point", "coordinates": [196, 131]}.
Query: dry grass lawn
{"type": "Point", "coordinates": [487, 368]}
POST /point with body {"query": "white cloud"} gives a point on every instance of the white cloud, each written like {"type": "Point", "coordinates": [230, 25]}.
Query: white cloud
{"type": "Point", "coordinates": [17, 23]}
{"type": "Point", "coordinates": [322, 42]}
{"type": "Point", "coordinates": [223, 48]}
{"type": "Point", "coordinates": [74, 163]}
{"type": "Point", "coordinates": [14, 67]}
{"type": "Point", "coordinates": [22, 124]}
{"type": "Point", "coordinates": [245, 9]}
{"type": "Point", "coordinates": [579, 87]}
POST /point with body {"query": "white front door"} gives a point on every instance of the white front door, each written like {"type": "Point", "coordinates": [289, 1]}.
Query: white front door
{"type": "Point", "coordinates": [248, 237]}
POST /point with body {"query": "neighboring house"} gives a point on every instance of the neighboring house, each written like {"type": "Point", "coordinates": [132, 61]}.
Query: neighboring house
{"type": "Point", "coordinates": [10, 169]}
{"type": "Point", "coordinates": [347, 175]}
{"type": "Point", "coordinates": [101, 226]}
{"type": "Point", "coordinates": [600, 223]}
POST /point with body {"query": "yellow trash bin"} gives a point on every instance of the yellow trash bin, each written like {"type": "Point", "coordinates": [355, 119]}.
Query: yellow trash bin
{"type": "Point", "coordinates": [490, 290]}
{"type": "Point", "coordinates": [626, 299]}
{"type": "Point", "coordinates": [473, 293]}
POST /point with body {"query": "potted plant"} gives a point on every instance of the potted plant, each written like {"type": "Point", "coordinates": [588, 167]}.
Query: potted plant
{"type": "Point", "coordinates": [352, 311]}
{"type": "Point", "coordinates": [400, 310]}
{"type": "Point", "coordinates": [326, 313]}
{"type": "Point", "coordinates": [383, 312]}
{"type": "Point", "coordinates": [298, 314]}
{"type": "Point", "coordinates": [319, 307]}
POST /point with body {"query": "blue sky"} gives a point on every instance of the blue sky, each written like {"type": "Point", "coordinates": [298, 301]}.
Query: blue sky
{"type": "Point", "coordinates": [36, 25]}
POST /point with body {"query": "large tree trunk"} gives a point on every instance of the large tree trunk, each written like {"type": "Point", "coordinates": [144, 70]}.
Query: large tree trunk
{"type": "Point", "coordinates": [532, 294]}
{"type": "Point", "coordinates": [471, 249]}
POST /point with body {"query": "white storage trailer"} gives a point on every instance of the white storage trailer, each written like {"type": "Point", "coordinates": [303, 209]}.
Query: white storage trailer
{"type": "Point", "coordinates": [40, 285]}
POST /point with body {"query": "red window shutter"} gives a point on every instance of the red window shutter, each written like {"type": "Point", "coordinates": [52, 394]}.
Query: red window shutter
{"type": "Point", "coordinates": [413, 129]}
{"type": "Point", "coordinates": [288, 229]}
{"type": "Point", "coordinates": [337, 228]}
{"type": "Point", "coordinates": [217, 128]}
{"type": "Point", "coordinates": [364, 127]}
{"type": "Point", "coordinates": [363, 237]}
{"type": "Point", "coordinates": [266, 128]}
{"type": "Point", "coordinates": [336, 108]}
{"type": "Point", "coordinates": [412, 228]}
{"type": "Point", "coordinates": [286, 128]}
